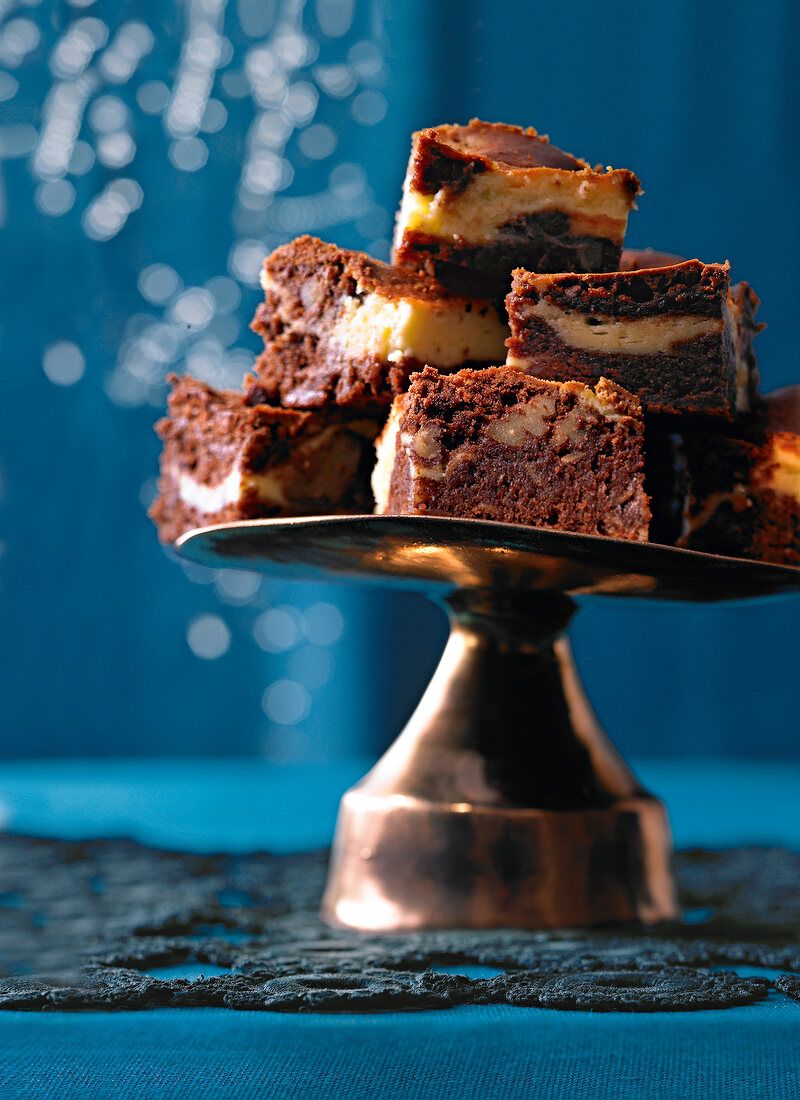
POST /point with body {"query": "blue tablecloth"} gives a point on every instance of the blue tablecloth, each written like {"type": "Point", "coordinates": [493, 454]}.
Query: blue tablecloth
{"type": "Point", "coordinates": [478, 1052]}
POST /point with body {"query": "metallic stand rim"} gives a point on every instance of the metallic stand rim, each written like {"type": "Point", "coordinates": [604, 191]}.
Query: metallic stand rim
{"type": "Point", "coordinates": [439, 551]}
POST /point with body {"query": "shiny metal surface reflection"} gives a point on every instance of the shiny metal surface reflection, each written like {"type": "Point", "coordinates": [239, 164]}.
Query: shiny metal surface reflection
{"type": "Point", "coordinates": [502, 802]}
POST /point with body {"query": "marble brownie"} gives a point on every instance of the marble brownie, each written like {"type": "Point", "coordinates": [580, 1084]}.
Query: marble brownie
{"type": "Point", "coordinates": [482, 199]}
{"type": "Point", "coordinates": [679, 336]}
{"type": "Point", "coordinates": [498, 444]}
{"type": "Point", "coordinates": [341, 328]}
{"type": "Point", "coordinates": [225, 460]}
{"type": "Point", "coordinates": [734, 491]}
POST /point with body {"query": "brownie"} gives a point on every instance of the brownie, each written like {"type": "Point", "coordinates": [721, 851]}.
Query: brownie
{"type": "Point", "coordinates": [482, 199]}
{"type": "Point", "coordinates": [225, 460]}
{"type": "Point", "coordinates": [341, 328]}
{"type": "Point", "coordinates": [677, 336]}
{"type": "Point", "coordinates": [735, 490]}
{"type": "Point", "coordinates": [498, 444]}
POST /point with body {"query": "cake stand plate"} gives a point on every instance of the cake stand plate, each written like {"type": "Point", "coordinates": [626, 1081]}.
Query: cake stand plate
{"type": "Point", "coordinates": [502, 802]}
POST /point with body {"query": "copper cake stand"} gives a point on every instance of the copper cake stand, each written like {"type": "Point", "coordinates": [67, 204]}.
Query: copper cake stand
{"type": "Point", "coordinates": [502, 802]}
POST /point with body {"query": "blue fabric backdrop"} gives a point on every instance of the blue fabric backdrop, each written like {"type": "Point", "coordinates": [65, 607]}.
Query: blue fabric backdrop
{"type": "Point", "coordinates": [151, 154]}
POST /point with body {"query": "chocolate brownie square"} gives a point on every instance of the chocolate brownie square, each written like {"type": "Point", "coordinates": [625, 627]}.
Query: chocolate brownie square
{"type": "Point", "coordinates": [678, 336]}
{"type": "Point", "coordinates": [482, 199]}
{"type": "Point", "coordinates": [341, 328]}
{"type": "Point", "coordinates": [733, 492]}
{"type": "Point", "coordinates": [498, 444]}
{"type": "Point", "coordinates": [225, 460]}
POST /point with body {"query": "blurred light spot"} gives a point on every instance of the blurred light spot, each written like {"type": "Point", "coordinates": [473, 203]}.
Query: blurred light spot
{"type": "Point", "coordinates": [225, 329]}
{"type": "Point", "coordinates": [133, 41]}
{"type": "Point", "coordinates": [82, 158]}
{"type": "Point", "coordinates": [225, 52]}
{"type": "Point", "coordinates": [366, 59]}
{"type": "Point", "coordinates": [295, 215]}
{"type": "Point", "coordinates": [380, 249]}
{"type": "Point", "coordinates": [153, 97]}
{"type": "Point", "coordinates": [158, 283]}
{"type": "Point", "coordinates": [245, 261]}
{"type": "Point", "coordinates": [201, 54]}
{"type": "Point", "coordinates": [197, 574]}
{"type": "Point", "coordinates": [235, 366]}
{"type": "Point", "coordinates": [235, 84]}
{"type": "Point", "coordinates": [148, 492]}
{"type": "Point", "coordinates": [237, 586]}
{"type": "Point", "coordinates": [204, 361]}
{"type": "Point", "coordinates": [369, 108]}
{"type": "Point", "coordinates": [301, 102]}
{"type": "Point", "coordinates": [116, 150]}
{"type": "Point", "coordinates": [108, 212]}
{"type": "Point", "coordinates": [293, 48]}
{"type": "Point", "coordinates": [63, 112]}
{"type": "Point", "coordinates": [194, 308]}
{"type": "Point", "coordinates": [125, 391]}
{"type": "Point", "coordinates": [317, 142]}
{"type": "Point", "coordinates": [278, 629]}
{"type": "Point", "coordinates": [54, 197]}
{"type": "Point", "coordinates": [267, 81]}
{"type": "Point", "coordinates": [208, 637]}
{"type": "Point", "coordinates": [188, 154]}
{"type": "Point", "coordinates": [107, 114]}
{"type": "Point", "coordinates": [256, 17]}
{"type": "Point", "coordinates": [337, 81]}
{"type": "Point", "coordinates": [214, 116]}
{"type": "Point", "coordinates": [271, 128]}
{"type": "Point", "coordinates": [334, 17]}
{"type": "Point", "coordinates": [16, 141]}
{"type": "Point", "coordinates": [8, 87]}
{"type": "Point", "coordinates": [18, 38]}
{"type": "Point", "coordinates": [226, 293]}
{"type": "Point", "coordinates": [286, 702]}
{"type": "Point", "coordinates": [263, 173]}
{"type": "Point", "coordinates": [310, 665]}
{"type": "Point", "coordinates": [63, 363]}
{"type": "Point", "coordinates": [77, 47]}
{"type": "Point", "coordinates": [374, 223]}
{"type": "Point", "coordinates": [158, 343]}
{"type": "Point", "coordinates": [323, 624]}
{"type": "Point", "coordinates": [128, 191]}
{"type": "Point", "coordinates": [347, 180]}
{"type": "Point", "coordinates": [81, 3]}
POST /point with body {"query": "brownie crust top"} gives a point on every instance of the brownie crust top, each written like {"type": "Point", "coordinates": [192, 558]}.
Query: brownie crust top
{"type": "Point", "coordinates": [449, 155]}
{"type": "Point", "coordinates": [352, 273]}
{"type": "Point", "coordinates": [691, 287]}
{"type": "Point", "coordinates": [464, 401]}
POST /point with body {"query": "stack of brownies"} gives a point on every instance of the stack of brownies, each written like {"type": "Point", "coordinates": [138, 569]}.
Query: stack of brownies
{"type": "Point", "coordinates": [513, 363]}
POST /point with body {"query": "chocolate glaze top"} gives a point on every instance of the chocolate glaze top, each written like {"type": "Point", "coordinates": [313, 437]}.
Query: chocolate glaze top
{"type": "Point", "coordinates": [509, 145]}
{"type": "Point", "coordinates": [449, 155]}
{"type": "Point", "coordinates": [692, 287]}
{"type": "Point", "coordinates": [357, 273]}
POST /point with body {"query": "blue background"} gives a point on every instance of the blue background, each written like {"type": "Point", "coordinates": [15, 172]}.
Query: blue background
{"type": "Point", "coordinates": [152, 153]}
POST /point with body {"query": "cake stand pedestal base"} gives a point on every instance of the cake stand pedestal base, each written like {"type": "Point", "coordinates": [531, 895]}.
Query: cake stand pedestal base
{"type": "Point", "coordinates": [502, 802]}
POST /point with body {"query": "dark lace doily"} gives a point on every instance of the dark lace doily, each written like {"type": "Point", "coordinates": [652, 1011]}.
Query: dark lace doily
{"type": "Point", "coordinates": [84, 925]}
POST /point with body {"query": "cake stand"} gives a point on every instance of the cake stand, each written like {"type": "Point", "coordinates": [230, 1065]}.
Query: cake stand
{"type": "Point", "coordinates": [502, 802]}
